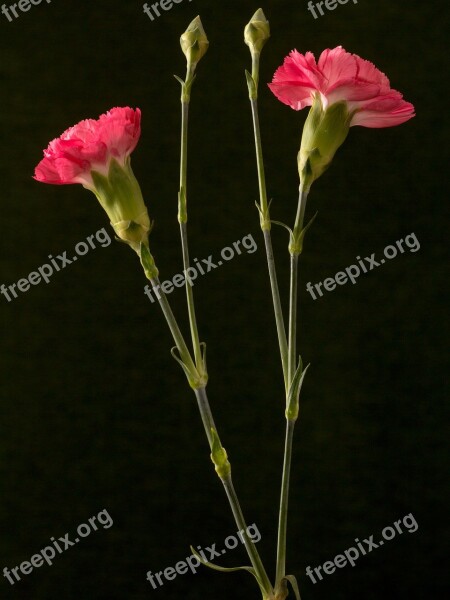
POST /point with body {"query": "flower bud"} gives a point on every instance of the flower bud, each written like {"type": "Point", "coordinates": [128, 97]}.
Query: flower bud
{"type": "Point", "coordinates": [324, 131]}
{"type": "Point", "coordinates": [257, 32]}
{"type": "Point", "coordinates": [120, 195]}
{"type": "Point", "coordinates": [194, 42]}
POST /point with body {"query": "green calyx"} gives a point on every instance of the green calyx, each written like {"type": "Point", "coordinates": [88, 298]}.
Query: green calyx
{"type": "Point", "coordinates": [120, 196]}
{"type": "Point", "coordinates": [324, 131]}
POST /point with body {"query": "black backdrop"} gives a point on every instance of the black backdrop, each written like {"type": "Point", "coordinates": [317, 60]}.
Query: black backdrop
{"type": "Point", "coordinates": [95, 414]}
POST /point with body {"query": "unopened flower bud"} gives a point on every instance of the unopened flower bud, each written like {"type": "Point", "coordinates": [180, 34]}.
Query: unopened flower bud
{"type": "Point", "coordinates": [194, 42]}
{"type": "Point", "coordinates": [257, 32]}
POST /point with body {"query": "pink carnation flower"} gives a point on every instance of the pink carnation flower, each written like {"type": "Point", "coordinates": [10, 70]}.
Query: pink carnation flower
{"type": "Point", "coordinates": [341, 76]}
{"type": "Point", "coordinates": [96, 153]}
{"type": "Point", "coordinates": [89, 146]}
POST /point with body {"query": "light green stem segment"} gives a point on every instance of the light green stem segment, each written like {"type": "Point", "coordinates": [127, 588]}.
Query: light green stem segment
{"type": "Point", "coordinates": [190, 303]}
{"type": "Point", "coordinates": [279, 320]}
{"type": "Point", "coordinates": [249, 545]}
{"type": "Point", "coordinates": [173, 326]}
{"type": "Point", "coordinates": [266, 225]}
{"type": "Point", "coordinates": [182, 218]}
{"type": "Point", "coordinates": [293, 318]}
{"type": "Point", "coordinates": [295, 249]}
{"type": "Point", "coordinates": [282, 520]}
{"type": "Point", "coordinates": [208, 423]}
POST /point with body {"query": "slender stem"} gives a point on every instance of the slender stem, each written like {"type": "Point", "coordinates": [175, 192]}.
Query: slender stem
{"type": "Point", "coordinates": [255, 68]}
{"type": "Point", "coordinates": [259, 156]}
{"type": "Point", "coordinates": [282, 342]}
{"type": "Point", "coordinates": [265, 226]}
{"type": "Point", "coordinates": [173, 325]}
{"type": "Point", "coordinates": [208, 423]}
{"type": "Point", "coordinates": [293, 318]}
{"type": "Point", "coordinates": [190, 300]}
{"type": "Point", "coordinates": [184, 142]}
{"type": "Point", "coordinates": [249, 545]}
{"type": "Point", "coordinates": [292, 364]}
{"type": "Point", "coordinates": [282, 523]}
{"type": "Point", "coordinates": [182, 217]}
{"type": "Point", "coordinates": [205, 413]}
{"type": "Point", "coordinates": [301, 207]}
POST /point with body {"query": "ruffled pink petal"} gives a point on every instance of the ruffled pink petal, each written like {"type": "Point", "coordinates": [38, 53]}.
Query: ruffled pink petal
{"type": "Point", "coordinates": [384, 112]}
{"type": "Point", "coordinates": [90, 145]}
{"type": "Point", "coordinates": [338, 67]}
{"type": "Point", "coordinates": [340, 76]}
{"type": "Point", "coordinates": [297, 97]}
{"type": "Point", "coordinates": [62, 171]}
{"type": "Point", "coordinates": [120, 129]}
{"type": "Point", "coordinates": [295, 82]}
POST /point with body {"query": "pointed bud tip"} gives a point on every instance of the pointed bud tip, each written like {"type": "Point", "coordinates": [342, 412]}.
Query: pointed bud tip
{"type": "Point", "coordinates": [257, 31]}
{"type": "Point", "coordinates": [259, 16]}
{"type": "Point", "coordinates": [194, 42]}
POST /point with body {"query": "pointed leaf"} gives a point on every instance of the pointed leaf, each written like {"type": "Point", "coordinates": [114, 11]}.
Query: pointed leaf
{"type": "Point", "coordinates": [293, 581]}
{"type": "Point", "coordinates": [292, 404]}
{"type": "Point", "coordinates": [211, 565]}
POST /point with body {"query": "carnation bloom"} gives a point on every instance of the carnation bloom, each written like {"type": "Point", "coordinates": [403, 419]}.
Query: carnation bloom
{"type": "Point", "coordinates": [344, 90]}
{"type": "Point", "coordinates": [338, 76]}
{"type": "Point", "coordinates": [96, 153]}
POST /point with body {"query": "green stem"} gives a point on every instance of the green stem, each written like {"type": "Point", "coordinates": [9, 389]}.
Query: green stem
{"type": "Point", "coordinates": [293, 318]}
{"type": "Point", "coordinates": [208, 423]}
{"type": "Point", "coordinates": [249, 545]}
{"type": "Point", "coordinates": [292, 365]}
{"type": "Point", "coordinates": [173, 325]}
{"type": "Point", "coordinates": [182, 217]}
{"type": "Point", "coordinates": [279, 320]}
{"type": "Point", "coordinates": [282, 521]}
{"type": "Point", "coordinates": [265, 226]}
{"type": "Point", "coordinates": [190, 301]}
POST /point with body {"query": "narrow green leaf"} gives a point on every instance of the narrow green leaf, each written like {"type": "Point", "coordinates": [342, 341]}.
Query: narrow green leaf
{"type": "Point", "coordinates": [293, 581]}
{"type": "Point", "coordinates": [211, 565]}
{"type": "Point", "coordinates": [292, 404]}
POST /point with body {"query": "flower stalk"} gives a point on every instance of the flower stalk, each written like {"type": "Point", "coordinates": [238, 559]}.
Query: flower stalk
{"type": "Point", "coordinates": [263, 207]}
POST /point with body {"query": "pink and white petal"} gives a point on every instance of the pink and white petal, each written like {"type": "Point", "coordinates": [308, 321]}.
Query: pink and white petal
{"type": "Point", "coordinates": [295, 96]}
{"type": "Point", "coordinates": [46, 172]}
{"type": "Point", "coordinates": [387, 118]}
{"type": "Point", "coordinates": [368, 72]}
{"type": "Point", "coordinates": [301, 69]}
{"type": "Point", "coordinates": [338, 67]}
{"type": "Point", "coordinates": [352, 91]}
{"type": "Point", "coordinates": [71, 170]}
{"type": "Point", "coordinates": [120, 129]}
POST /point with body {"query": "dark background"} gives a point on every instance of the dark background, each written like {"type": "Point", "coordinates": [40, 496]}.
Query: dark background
{"type": "Point", "coordinates": [95, 414]}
